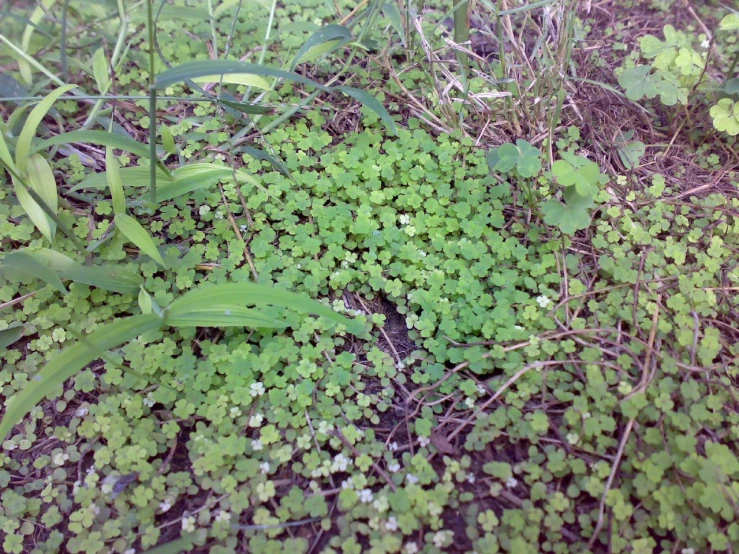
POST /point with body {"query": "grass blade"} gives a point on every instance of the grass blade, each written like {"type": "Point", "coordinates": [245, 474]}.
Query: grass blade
{"type": "Point", "coordinates": [246, 107]}
{"type": "Point", "coordinates": [100, 70]}
{"type": "Point", "coordinates": [226, 315]}
{"type": "Point", "coordinates": [235, 79]}
{"type": "Point", "coordinates": [38, 216]}
{"type": "Point", "coordinates": [131, 176]}
{"type": "Point", "coordinates": [203, 68]}
{"type": "Point", "coordinates": [23, 147]}
{"type": "Point", "coordinates": [249, 294]}
{"type": "Point", "coordinates": [30, 267]}
{"type": "Point", "coordinates": [10, 335]}
{"type": "Point", "coordinates": [366, 99]}
{"type": "Point", "coordinates": [393, 14]}
{"type": "Point", "coordinates": [135, 233]}
{"type": "Point", "coordinates": [115, 184]}
{"type": "Point", "coordinates": [113, 278]}
{"type": "Point", "coordinates": [41, 179]}
{"type": "Point", "coordinates": [36, 17]}
{"type": "Point", "coordinates": [71, 360]}
{"type": "Point", "coordinates": [322, 42]}
{"type": "Point", "coordinates": [199, 176]}
{"type": "Point", "coordinates": [102, 138]}
{"type": "Point", "coordinates": [172, 547]}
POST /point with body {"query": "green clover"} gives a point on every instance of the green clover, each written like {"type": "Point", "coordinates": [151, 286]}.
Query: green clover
{"type": "Point", "coordinates": [725, 116]}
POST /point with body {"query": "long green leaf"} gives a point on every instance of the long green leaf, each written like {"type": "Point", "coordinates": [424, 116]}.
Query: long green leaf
{"type": "Point", "coordinates": [102, 138]}
{"type": "Point", "coordinates": [10, 335]}
{"type": "Point", "coordinates": [198, 176]}
{"type": "Point", "coordinates": [36, 213]}
{"type": "Point", "coordinates": [41, 179]}
{"type": "Point", "coordinates": [130, 177]}
{"type": "Point", "coordinates": [249, 294]}
{"type": "Point", "coordinates": [100, 70]}
{"type": "Point", "coordinates": [115, 183]}
{"type": "Point", "coordinates": [5, 156]}
{"type": "Point", "coordinates": [235, 79]}
{"type": "Point", "coordinates": [23, 147]}
{"type": "Point", "coordinates": [114, 278]}
{"type": "Point", "coordinates": [31, 267]}
{"type": "Point", "coordinates": [246, 107]}
{"type": "Point", "coordinates": [37, 15]}
{"type": "Point", "coordinates": [134, 232]}
{"type": "Point", "coordinates": [72, 360]}
{"type": "Point", "coordinates": [203, 68]}
{"type": "Point", "coordinates": [224, 316]}
{"type": "Point", "coordinates": [51, 258]}
{"type": "Point", "coordinates": [372, 103]}
{"type": "Point", "coordinates": [391, 11]}
{"type": "Point", "coordinates": [321, 42]}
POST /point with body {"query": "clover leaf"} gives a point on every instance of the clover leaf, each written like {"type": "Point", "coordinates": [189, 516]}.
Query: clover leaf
{"type": "Point", "coordinates": [640, 82]}
{"type": "Point", "coordinates": [630, 151]}
{"type": "Point", "coordinates": [526, 159]}
{"type": "Point", "coordinates": [725, 116]}
{"type": "Point", "coordinates": [579, 172]}
{"type": "Point", "coordinates": [570, 216]}
{"type": "Point", "coordinates": [730, 22]}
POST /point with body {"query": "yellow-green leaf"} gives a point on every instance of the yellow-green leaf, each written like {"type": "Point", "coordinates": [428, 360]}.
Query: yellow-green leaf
{"type": "Point", "coordinates": [167, 139]}
{"type": "Point", "coordinates": [100, 70]}
{"type": "Point", "coordinates": [23, 147]}
{"type": "Point", "coordinates": [134, 232]}
{"type": "Point", "coordinates": [235, 79]}
{"type": "Point", "coordinates": [73, 359]}
{"type": "Point", "coordinates": [115, 184]}
{"type": "Point", "coordinates": [33, 21]}
{"type": "Point", "coordinates": [31, 267]}
{"type": "Point", "coordinates": [35, 213]}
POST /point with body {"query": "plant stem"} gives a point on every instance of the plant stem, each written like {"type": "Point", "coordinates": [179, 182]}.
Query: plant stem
{"type": "Point", "coordinates": [152, 110]}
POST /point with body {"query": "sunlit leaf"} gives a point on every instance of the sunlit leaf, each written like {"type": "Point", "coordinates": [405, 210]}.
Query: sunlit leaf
{"type": "Point", "coordinates": [134, 232]}
{"type": "Point", "coordinates": [321, 42]}
{"type": "Point", "coordinates": [101, 138]}
{"type": "Point", "coordinates": [115, 184]}
{"type": "Point", "coordinates": [23, 146]}
{"type": "Point", "coordinates": [32, 267]}
{"type": "Point", "coordinates": [366, 99]}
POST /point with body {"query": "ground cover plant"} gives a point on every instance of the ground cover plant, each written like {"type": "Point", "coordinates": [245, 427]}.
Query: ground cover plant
{"type": "Point", "coordinates": [369, 277]}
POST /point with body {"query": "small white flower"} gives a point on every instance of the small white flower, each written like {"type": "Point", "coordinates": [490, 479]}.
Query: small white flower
{"type": "Point", "coordinates": [243, 228]}
{"type": "Point", "coordinates": [130, 551]}
{"type": "Point", "coordinates": [422, 253]}
{"type": "Point", "coordinates": [543, 301]}
{"type": "Point", "coordinates": [257, 445]}
{"type": "Point", "coordinates": [423, 441]}
{"type": "Point", "coordinates": [82, 411]}
{"type": "Point", "coordinates": [405, 219]}
{"type": "Point", "coordinates": [165, 506]}
{"type": "Point", "coordinates": [347, 484]}
{"type": "Point", "coordinates": [410, 230]}
{"type": "Point", "coordinates": [218, 215]}
{"type": "Point", "coordinates": [188, 524]}
{"type": "Point", "coordinates": [392, 524]}
{"type": "Point", "coordinates": [91, 470]}
{"type": "Point", "coordinates": [393, 467]}
{"type": "Point", "coordinates": [469, 402]}
{"type": "Point", "coordinates": [256, 420]}
{"type": "Point", "coordinates": [481, 389]}
{"type": "Point", "coordinates": [411, 478]}
{"type": "Point", "coordinates": [705, 44]}
{"type": "Point", "coordinates": [256, 389]}
{"type": "Point", "coordinates": [264, 467]}
{"type": "Point", "coordinates": [341, 462]}
{"type": "Point", "coordinates": [235, 411]}
{"type": "Point", "coordinates": [149, 400]}
{"type": "Point", "coordinates": [365, 495]}
{"type": "Point", "coordinates": [586, 415]}
{"type": "Point", "coordinates": [223, 517]}
{"type": "Point", "coordinates": [439, 538]}
{"type": "Point", "coordinates": [60, 458]}
{"type": "Point", "coordinates": [573, 438]}
{"type": "Point", "coordinates": [511, 483]}
{"type": "Point", "coordinates": [688, 550]}
{"type": "Point", "coordinates": [518, 328]}
{"type": "Point", "coordinates": [393, 446]}
{"type": "Point", "coordinates": [410, 548]}
{"type": "Point", "coordinates": [470, 478]}
{"type": "Point", "coordinates": [204, 209]}
{"type": "Point", "coordinates": [76, 487]}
